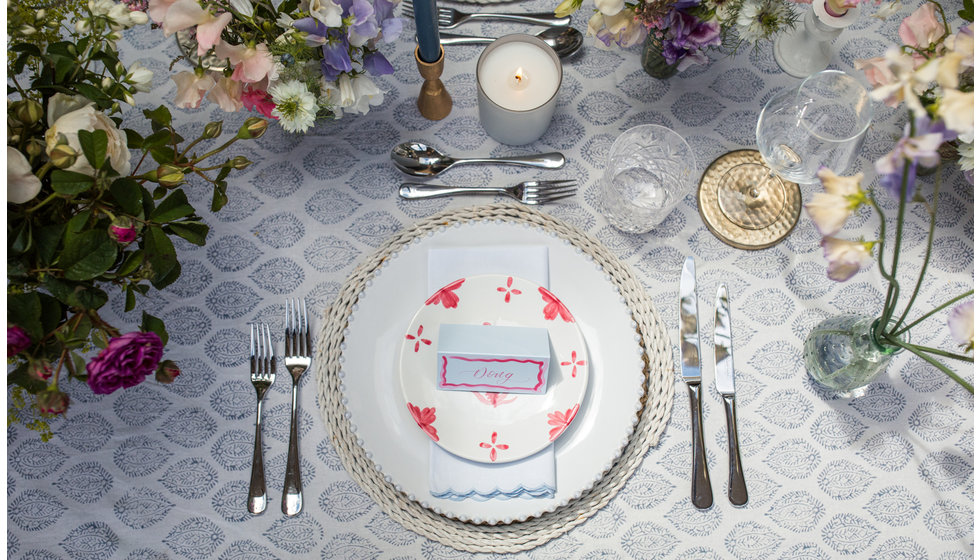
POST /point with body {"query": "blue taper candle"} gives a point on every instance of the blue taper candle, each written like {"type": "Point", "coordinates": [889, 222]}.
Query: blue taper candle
{"type": "Point", "coordinates": [427, 30]}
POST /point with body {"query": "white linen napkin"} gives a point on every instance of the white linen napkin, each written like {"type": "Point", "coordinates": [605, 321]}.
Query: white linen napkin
{"type": "Point", "coordinates": [455, 478]}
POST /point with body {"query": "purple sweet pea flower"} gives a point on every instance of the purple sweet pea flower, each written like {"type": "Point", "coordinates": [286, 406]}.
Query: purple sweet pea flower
{"type": "Point", "coordinates": [688, 36]}
{"type": "Point", "coordinates": [125, 362]}
{"type": "Point", "coordinates": [17, 340]}
{"type": "Point", "coordinates": [377, 65]}
{"type": "Point", "coordinates": [920, 149]}
{"type": "Point", "coordinates": [364, 23]}
{"type": "Point", "coordinates": [336, 55]}
{"type": "Point", "coordinates": [312, 26]}
{"type": "Point", "coordinates": [391, 24]}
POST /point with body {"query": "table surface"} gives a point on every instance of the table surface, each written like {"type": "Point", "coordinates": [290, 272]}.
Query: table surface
{"type": "Point", "coordinates": [161, 471]}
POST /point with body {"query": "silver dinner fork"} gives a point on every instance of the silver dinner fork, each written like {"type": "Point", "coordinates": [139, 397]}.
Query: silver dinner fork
{"type": "Point", "coordinates": [528, 192]}
{"type": "Point", "coordinates": [449, 18]}
{"type": "Point", "coordinates": [298, 356]}
{"type": "Point", "coordinates": [262, 366]}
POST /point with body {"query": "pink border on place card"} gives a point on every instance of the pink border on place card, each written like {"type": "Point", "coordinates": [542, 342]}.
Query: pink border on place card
{"type": "Point", "coordinates": [445, 364]}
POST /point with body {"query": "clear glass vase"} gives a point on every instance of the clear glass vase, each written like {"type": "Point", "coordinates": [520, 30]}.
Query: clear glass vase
{"type": "Point", "coordinates": [806, 48]}
{"type": "Point", "coordinates": [843, 355]}
{"type": "Point", "coordinates": [652, 59]}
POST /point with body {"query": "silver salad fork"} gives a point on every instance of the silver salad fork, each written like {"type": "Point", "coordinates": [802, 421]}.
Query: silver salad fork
{"type": "Point", "coordinates": [298, 356]}
{"type": "Point", "coordinates": [262, 365]}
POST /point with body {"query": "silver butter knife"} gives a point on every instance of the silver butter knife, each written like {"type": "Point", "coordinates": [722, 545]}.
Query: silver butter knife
{"type": "Point", "coordinates": [690, 345]}
{"type": "Point", "coordinates": [725, 383]}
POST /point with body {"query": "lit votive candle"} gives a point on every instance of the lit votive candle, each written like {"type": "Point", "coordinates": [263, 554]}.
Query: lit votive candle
{"type": "Point", "coordinates": [517, 79]}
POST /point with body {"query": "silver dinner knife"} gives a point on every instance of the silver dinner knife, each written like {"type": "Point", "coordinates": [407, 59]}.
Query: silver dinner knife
{"type": "Point", "coordinates": [725, 383]}
{"type": "Point", "coordinates": [690, 345]}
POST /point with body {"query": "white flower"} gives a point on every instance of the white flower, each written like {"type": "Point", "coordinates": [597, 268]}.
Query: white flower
{"type": "Point", "coordinates": [609, 7]}
{"type": "Point", "coordinates": [140, 77]}
{"type": "Point", "coordinates": [295, 106]}
{"type": "Point", "coordinates": [61, 104]}
{"type": "Point", "coordinates": [956, 110]}
{"type": "Point", "coordinates": [845, 258]}
{"type": "Point", "coordinates": [243, 7]}
{"type": "Point", "coordinates": [366, 93]}
{"type": "Point", "coordinates": [830, 209]}
{"type": "Point", "coordinates": [22, 184]}
{"type": "Point", "coordinates": [908, 83]}
{"type": "Point", "coordinates": [961, 325]}
{"type": "Point", "coordinates": [966, 156]}
{"type": "Point", "coordinates": [87, 118]}
{"type": "Point", "coordinates": [888, 9]}
{"type": "Point", "coordinates": [328, 12]}
{"type": "Point", "coordinates": [760, 19]}
{"type": "Point", "coordinates": [339, 93]}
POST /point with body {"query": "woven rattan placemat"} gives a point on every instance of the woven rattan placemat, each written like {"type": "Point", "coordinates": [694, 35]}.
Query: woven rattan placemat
{"type": "Point", "coordinates": [517, 536]}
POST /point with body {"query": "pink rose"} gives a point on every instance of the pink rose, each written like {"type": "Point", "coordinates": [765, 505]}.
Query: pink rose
{"type": "Point", "coordinates": [122, 231]}
{"type": "Point", "coordinates": [17, 340]}
{"type": "Point", "coordinates": [125, 362]}
{"type": "Point", "coordinates": [52, 402]}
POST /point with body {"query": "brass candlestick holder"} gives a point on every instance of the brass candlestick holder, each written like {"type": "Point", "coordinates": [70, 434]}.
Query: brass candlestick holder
{"type": "Point", "coordinates": [434, 100]}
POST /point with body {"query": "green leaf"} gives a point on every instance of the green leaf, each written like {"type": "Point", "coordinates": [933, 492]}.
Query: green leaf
{"type": "Point", "coordinates": [131, 262]}
{"type": "Point", "coordinates": [128, 193]}
{"type": "Point", "coordinates": [77, 295]}
{"type": "Point", "coordinates": [169, 278]}
{"type": "Point", "coordinates": [130, 298]}
{"type": "Point", "coordinates": [174, 207]}
{"type": "Point", "coordinates": [162, 154]}
{"type": "Point", "coordinates": [24, 310]}
{"type": "Point", "coordinates": [160, 253]}
{"type": "Point", "coordinates": [219, 198]}
{"type": "Point", "coordinates": [95, 94]}
{"type": "Point", "coordinates": [95, 145]}
{"type": "Point", "coordinates": [967, 12]}
{"type": "Point", "coordinates": [52, 312]}
{"type": "Point", "coordinates": [48, 241]}
{"type": "Point", "coordinates": [133, 139]}
{"type": "Point", "coordinates": [63, 65]}
{"type": "Point", "coordinates": [21, 238]}
{"type": "Point", "coordinates": [152, 324]}
{"type": "Point", "coordinates": [19, 376]}
{"type": "Point", "coordinates": [26, 48]}
{"type": "Point", "coordinates": [71, 182]}
{"type": "Point", "coordinates": [160, 115]}
{"type": "Point", "coordinates": [88, 254]}
{"type": "Point", "coordinates": [194, 232]}
{"type": "Point", "coordinates": [78, 222]}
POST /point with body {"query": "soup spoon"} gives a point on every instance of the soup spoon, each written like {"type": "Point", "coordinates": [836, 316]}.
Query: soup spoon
{"type": "Point", "coordinates": [422, 160]}
{"type": "Point", "coordinates": [564, 40]}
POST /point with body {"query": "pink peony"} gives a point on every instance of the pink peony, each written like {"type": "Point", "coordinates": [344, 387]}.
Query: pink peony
{"type": "Point", "coordinates": [125, 362]}
{"type": "Point", "coordinates": [17, 340]}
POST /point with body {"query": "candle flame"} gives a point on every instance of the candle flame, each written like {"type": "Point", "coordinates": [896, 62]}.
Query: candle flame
{"type": "Point", "coordinates": [519, 74]}
{"type": "Point", "coordinates": [520, 79]}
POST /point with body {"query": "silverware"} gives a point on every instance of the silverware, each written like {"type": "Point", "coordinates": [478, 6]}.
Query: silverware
{"type": "Point", "coordinates": [690, 345]}
{"type": "Point", "coordinates": [262, 366]}
{"type": "Point", "coordinates": [528, 192]}
{"type": "Point", "coordinates": [297, 357]}
{"type": "Point", "coordinates": [422, 160]}
{"type": "Point", "coordinates": [565, 41]}
{"type": "Point", "coordinates": [725, 383]}
{"type": "Point", "coordinates": [449, 18]}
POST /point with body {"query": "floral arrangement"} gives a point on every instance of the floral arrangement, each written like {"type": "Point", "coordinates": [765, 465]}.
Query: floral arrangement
{"type": "Point", "coordinates": [684, 30]}
{"type": "Point", "coordinates": [295, 61]}
{"type": "Point", "coordinates": [932, 75]}
{"type": "Point", "coordinates": [90, 206]}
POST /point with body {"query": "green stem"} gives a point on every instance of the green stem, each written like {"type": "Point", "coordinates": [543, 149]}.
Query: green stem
{"type": "Point", "coordinates": [931, 208]}
{"type": "Point", "coordinates": [939, 365]}
{"type": "Point", "coordinates": [215, 151]}
{"type": "Point", "coordinates": [892, 281]}
{"type": "Point", "coordinates": [38, 206]}
{"type": "Point", "coordinates": [939, 352]}
{"type": "Point", "coordinates": [931, 313]}
{"type": "Point", "coordinates": [892, 301]}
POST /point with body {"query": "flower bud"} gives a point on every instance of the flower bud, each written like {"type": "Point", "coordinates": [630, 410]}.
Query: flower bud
{"type": "Point", "coordinates": [40, 369]}
{"type": "Point", "coordinates": [122, 230]}
{"type": "Point", "coordinates": [52, 402]}
{"type": "Point", "coordinates": [169, 175]}
{"type": "Point", "coordinates": [240, 162]}
{"type": "Point", "coordinates": [212, 130]}
{"type": "Point", "coordinates": [27, 30]}
{"type": "Point", "coordinates": [17, 340]}
{"type": "Point", "coordinates": [63, 156]}
{"type": "Point", "coordinates": [41, 14]}
{"type": "Point", "coordinates": [106, 82]}
{"type": "Point", "coordinates": [253, 127]}
{"type": "Point", "coordinates": [83, 26]}
{"type": "Point", "coordinates": [35, 147]}
{"type": "Point", "coordinates": [167, 371]}
{"type": "Point", "coordinates": [29, 111]}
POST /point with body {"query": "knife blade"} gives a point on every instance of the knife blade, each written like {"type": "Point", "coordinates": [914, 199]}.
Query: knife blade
{"type": "Point", "coordinates": [690, 348]}
{"type": "Point", "coordinates": [725, 383]}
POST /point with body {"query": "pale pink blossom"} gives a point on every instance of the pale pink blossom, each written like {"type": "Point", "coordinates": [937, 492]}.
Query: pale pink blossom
{"type": "Point", "coordinates": [157, 9]}
{"type": "Point", "coordinates": [829, 210]}
{"type": "Point", "coordinates": [845, 258]}
{"type": "Point", "coordinates": [961, 325]}
{"type": "Point", "coordinates": [908, 83]}
{"type": "Point", "coordinates": [252, 64]}
{"type": "Point", "coordinates": [876, 71]}
{"type": "Point", "coordinates": [921, 29]}
{"type": "Point", "coordinates": [189, 13]}
{"type": "Point", "coordinates": [227, 93]}
{"type": "Point", "coordinates": [191, 89]}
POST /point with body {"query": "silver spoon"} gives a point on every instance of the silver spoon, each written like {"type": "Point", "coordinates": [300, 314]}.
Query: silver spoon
{"type": "Point", "coordinates": [564, 40]}
{"type": "Point", "coordinates": [422, 160]}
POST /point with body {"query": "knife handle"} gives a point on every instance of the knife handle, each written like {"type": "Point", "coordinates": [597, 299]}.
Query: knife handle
{"type": "Point", "coordinates": [737, 493]}
{"type": "Point", "coordinates": [700, 483]}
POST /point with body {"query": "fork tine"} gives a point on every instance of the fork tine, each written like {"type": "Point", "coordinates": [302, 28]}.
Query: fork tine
{"type": "Point", "coordinates": [550, 190]}
{"type": "Point", "coordinates": [552, 198]}
{"type": "Point", "coordinates": [290, 348]}
{"type": "Point", "coordinates": [559, 183]}
{"type": "Point", "coordinates": [308, 350]}
{"type": "Point", "coordinates": [251, 349]}
{"type": "Point", "coordinates": [408, 11]}
{"type": "Point", "coordinates": [270, 354]}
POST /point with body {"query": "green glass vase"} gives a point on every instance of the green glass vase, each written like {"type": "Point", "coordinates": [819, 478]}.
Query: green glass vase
{"type": "Point", "coordinates": [843, 354]}
{"type": "Point", "coordinates": [653, 61]}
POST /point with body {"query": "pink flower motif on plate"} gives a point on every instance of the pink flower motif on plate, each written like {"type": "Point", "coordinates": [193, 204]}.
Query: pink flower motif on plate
{"type": "Point", "coordinates": [494, 399]}
{"type": "Point", "coordinates": [417, 337]}
{"type": "Point", "coordinates": [493, 446]}
{"type": "Point", "coordinates": [507, 291]}
{"type": "Point", "coordinates": [425, 417]}
{"type": "Point", "coordinates": [553, 307]}
{"type": "Point", "coordinates": [560, 420]}
{"type": "Point", "coordinates": [446, 295]}
{"type": "Point", "coordinates": [574, 363]}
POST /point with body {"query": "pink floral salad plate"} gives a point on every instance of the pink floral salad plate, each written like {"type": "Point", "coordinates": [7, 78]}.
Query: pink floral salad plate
{"type": "Point", "coordinates": [493, 427]}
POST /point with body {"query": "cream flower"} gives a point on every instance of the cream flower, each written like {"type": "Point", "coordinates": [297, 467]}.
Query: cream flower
{"type": "Point", "coordinates": [140, 77]}
{"type": "Point", "coordinates": [366, 93]}
{"type": "Point", "coordinates": [61, 104]}
{"type": "Point", "coordinates": [609, 7]}
{"type": "Point", "coordinates": [87, 118]}
{"type": "Point", "coordinates": [845, 258]}
{"type": "Point", "coordinates": [829, 210]}
{"type": "Point", "coordinates": [956, 110]}
{"type": "Point", "coordinates": [227, 93]}
{"type": "Point", "coordinates": [908, 83]}
{"type": "Point", "coordinates": [191, 88]}
{"type": "Point", "coordinates": [327, 12]}
{"type": "Point", "coordinates": [22, 184]}
{"type": "Point", "coordinates": [961, 325]}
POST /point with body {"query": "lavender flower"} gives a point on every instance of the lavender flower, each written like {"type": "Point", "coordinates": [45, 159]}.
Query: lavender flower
{"type": "Point", "coordinates": [920, 149]}
{"type": "Point", "coordinates": [377, 65]}
{"type": "Point", "coordinates": [961, 325]}
{"type": "Point", "coordinates": [845, 258]}
{"type": "Point", "coordinates": [687, 38]}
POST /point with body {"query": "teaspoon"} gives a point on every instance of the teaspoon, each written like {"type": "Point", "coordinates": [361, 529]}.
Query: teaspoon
{"type": "Point", "coordinates": [422, 160]}
{"type": "Point", "coordinates": [564, 40]}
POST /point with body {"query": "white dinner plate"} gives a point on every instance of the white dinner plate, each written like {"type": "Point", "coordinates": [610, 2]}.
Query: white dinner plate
{"type": "Point", "coordinates": [382, 423]}
{"type": "Point", "coordinates": [494, 427]}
